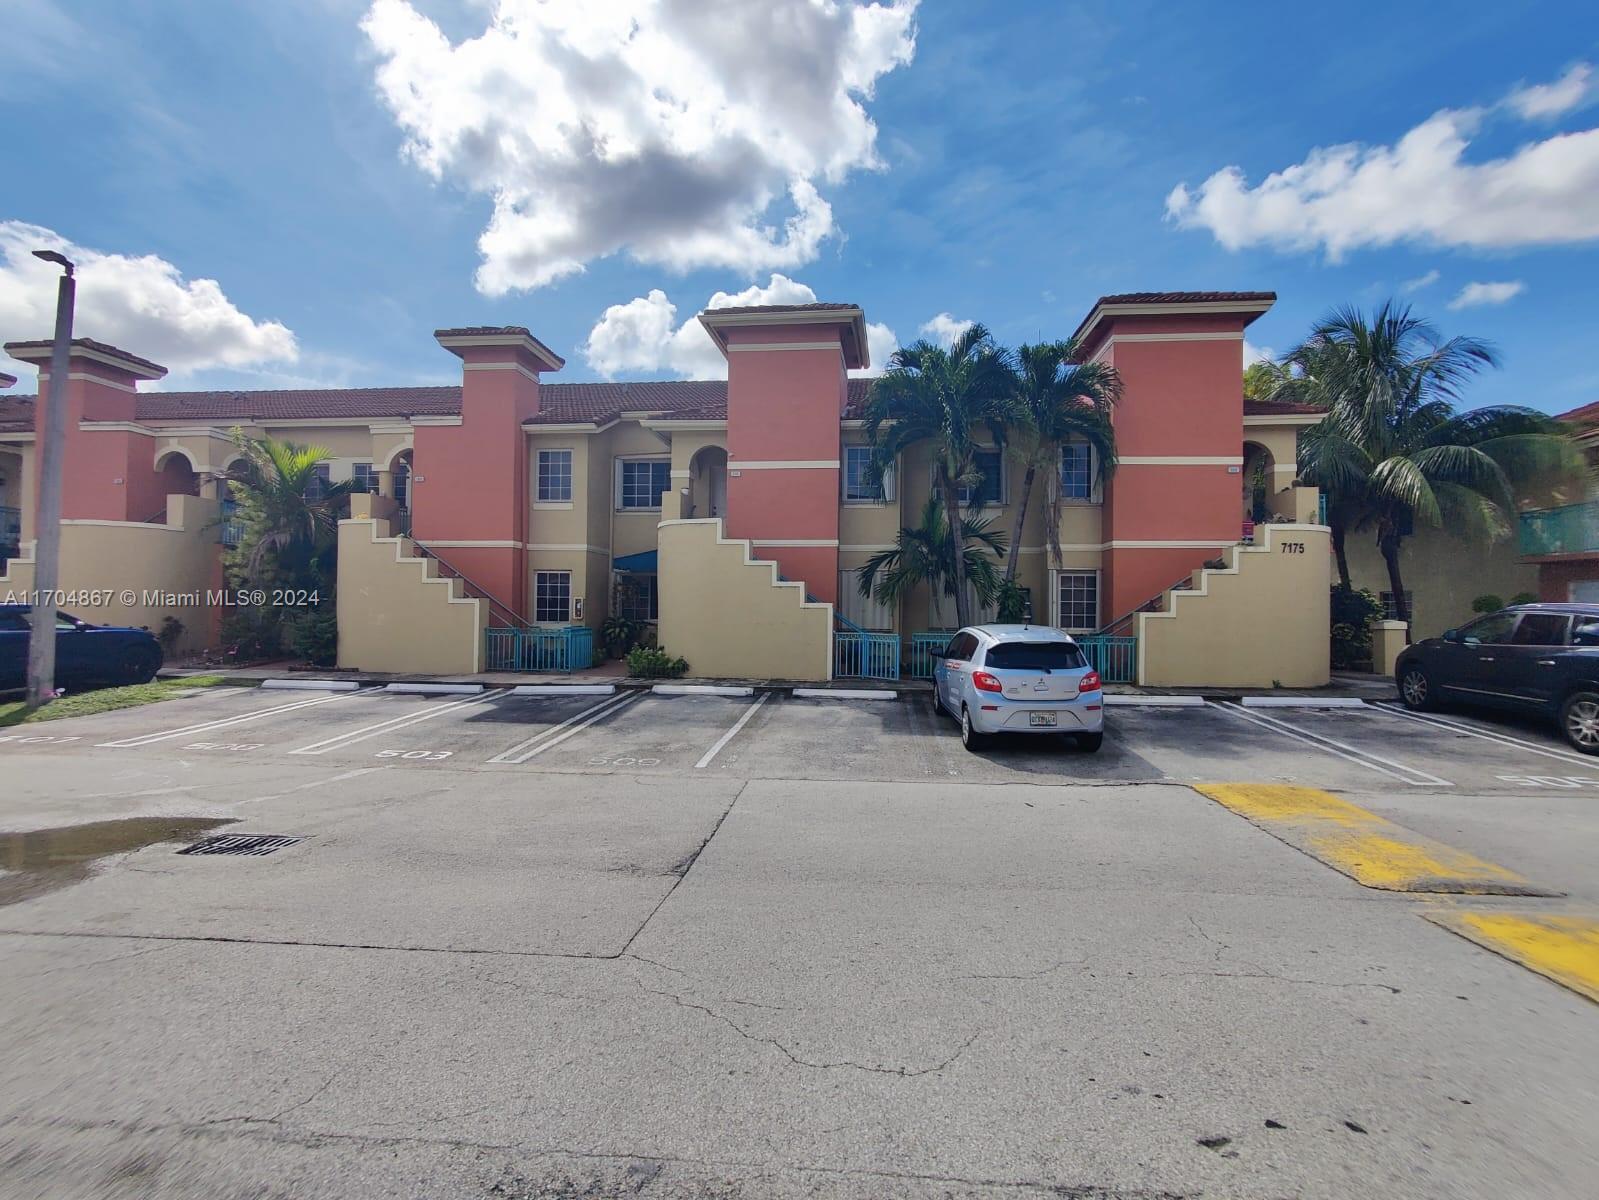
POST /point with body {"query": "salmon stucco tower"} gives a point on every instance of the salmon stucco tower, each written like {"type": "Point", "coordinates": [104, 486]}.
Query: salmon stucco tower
{"type": "Point", "coordinates": [787, 384]}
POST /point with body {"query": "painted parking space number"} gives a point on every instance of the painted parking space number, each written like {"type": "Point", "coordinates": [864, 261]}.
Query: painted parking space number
{"type": "Point", "coordinates": [1570, 782]}
{"type": "Point", "coordinates": [39, 739]}
{"type": "Point", "coordinates": [624, 762]}
{"type": "Point", "coordinates": [415, 755]}
{"type": "Point", "coordinates": [224, 746]}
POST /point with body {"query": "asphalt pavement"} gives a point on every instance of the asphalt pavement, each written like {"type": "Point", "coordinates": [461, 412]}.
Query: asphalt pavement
{"type": "Point", "coordinates": [767, 946]}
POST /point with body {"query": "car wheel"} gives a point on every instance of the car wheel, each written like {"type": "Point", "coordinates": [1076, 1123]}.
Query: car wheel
{"type": "Point", "coordinates": [138, 666]}
{"type": "Point", "coordinates": [1579, 721]}
{"type": "Point", "coordinates": [1415, 689]}
{"type": "Point", "coordinates": [1090, 741]}
{"type": "Point", "coordinates": [970, 738]}
{"type": "Point", "coordinates": [938, 704]}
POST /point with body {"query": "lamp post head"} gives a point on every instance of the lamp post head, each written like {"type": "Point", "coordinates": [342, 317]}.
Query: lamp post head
{"type": "Point", "coordinates": [55, 256]}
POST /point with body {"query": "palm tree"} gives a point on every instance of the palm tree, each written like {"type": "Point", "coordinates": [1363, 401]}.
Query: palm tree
{"type": "Point", "coordinates": [943, 398]}
{"type": "Point", "coordinates": [1058, 400]}
{"type": "Point", "coordinates": [925, 553]}
{"type": "Point", "coordinates": [1394, 452]}
{"type": "Point", "coordinates": [288, 511]}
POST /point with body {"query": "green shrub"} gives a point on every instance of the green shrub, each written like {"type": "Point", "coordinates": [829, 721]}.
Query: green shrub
{"type": "Point", "coordinates": [1488, 603]}
{"type": "Point", "coordinates": [1524, 598]}
{"type": "Point", "coordinates": [171, 631]}
{"type": "Point", "coordinates": [1014, 601]}
{"type": "Point", "coordinates": [619, 635]}
{"type": "Point", "coordinates": [1353, 611]}
{"type": "Point", "coordinates": [643, 662]}
{"type": "Point", "coordinates": [314, 635]}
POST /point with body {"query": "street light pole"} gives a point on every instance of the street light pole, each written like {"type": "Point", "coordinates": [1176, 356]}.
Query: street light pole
{"type": "Point", "coordinates": [47, 517]}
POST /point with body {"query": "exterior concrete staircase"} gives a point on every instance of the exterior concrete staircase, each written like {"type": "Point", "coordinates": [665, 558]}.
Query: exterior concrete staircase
{"type": "Point", "coordinates": [761, 626]}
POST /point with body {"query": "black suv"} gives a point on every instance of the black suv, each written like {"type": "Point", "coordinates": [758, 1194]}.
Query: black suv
{"type": "Point", "coordinates": [1532, 658]}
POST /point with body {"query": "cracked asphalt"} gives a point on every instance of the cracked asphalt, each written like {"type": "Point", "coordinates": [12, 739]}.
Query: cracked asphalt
{"type": "Point", "coordinates": [839, 958]}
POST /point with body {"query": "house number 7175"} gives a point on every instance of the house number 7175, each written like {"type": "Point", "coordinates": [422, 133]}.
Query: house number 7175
{"type": "Point", "coordinates": [1293, 547]}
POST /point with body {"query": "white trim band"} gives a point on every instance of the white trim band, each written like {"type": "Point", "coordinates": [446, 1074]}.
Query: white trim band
{"type": "Point", "coordinates": [501, 366]}
{"type": "Point", "coordinates": [1180, 460]}
{"type": "Point", "coordinates": [789, 464]}
{"type": "Point", "coordinates": [794, 542]}
{"type": "Point", "coordinates": [741, 347]}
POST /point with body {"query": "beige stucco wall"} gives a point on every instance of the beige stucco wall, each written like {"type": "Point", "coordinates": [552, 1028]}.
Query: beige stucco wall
{"type": "Point", "coordinates": [396, 614]}
{"type": "Point", "coordinates": [755, 627]}
{"type": "Point", "coordinates": [1261, 621]}
{"type": "Point", "coordinates": [168, 569]}
{"type": "Point", "coordinates": [1443, 575]}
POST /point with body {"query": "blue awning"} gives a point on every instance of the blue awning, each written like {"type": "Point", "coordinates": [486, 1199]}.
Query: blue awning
{"type": "Point", "coordinates": [642, 564]}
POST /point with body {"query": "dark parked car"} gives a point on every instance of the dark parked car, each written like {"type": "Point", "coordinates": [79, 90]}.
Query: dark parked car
{"type": "Point", "coordinates": [1541, 658]}
{"type": "Point", "coordinates": [85, 654]}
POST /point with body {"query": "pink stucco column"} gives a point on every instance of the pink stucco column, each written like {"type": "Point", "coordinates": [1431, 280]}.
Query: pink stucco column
{"type": "Point", "coordinates": [108, 463]}
{"type": "Point", "coordinates": [786, 387]}
{"type": "Point", "coordinates": [1174, 500]}
{"type": "Point", "coordinates": [469, 476]}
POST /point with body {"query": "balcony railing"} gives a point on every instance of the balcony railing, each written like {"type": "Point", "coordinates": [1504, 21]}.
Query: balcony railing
{"type": "Point", "coordinates": [1571, 529]}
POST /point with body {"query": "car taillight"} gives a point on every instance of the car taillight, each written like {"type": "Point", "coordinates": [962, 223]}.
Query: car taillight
{"type": "Point", "coordinates": [984, 682]}
{"type": "Point", "coordinates": [1089, 682]}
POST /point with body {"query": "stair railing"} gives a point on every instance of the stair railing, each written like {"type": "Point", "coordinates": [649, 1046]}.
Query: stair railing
{"type": "Point", "coordinates": [498, 609]}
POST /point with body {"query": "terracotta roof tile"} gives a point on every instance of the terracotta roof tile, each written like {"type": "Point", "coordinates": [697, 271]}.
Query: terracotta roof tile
{"type": "Point", "coordinates": [84, 343]}
{"type": "Point", "coordinates": [1587, 414]}
{"type": "Point", "coordinates": [1277, 408]}
{"type": "Point", "coordinates": [560, 403]}
{"type": "Point", "coordinates": [1182, 297]}
{"type": "Point", "coordinates": [818, 306]}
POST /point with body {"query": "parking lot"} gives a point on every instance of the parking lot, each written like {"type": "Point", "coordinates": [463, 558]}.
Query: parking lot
{"type": "Point", "coordinates": [770, 945]}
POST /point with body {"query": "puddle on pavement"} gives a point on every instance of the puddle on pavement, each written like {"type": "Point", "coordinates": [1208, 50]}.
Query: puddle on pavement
{"type": "Point", "coordinates": [43, 860]}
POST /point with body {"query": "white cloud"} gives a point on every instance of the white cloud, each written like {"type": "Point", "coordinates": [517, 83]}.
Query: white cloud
{"type": "Point", "coordinates": [644, 334]}
{"type": "Point", "coordinates": [944, 329]}
{"type": "Point", "coordinates": [1255, 354]}
{"type": "Point", "coordinates": [142, 305]}
{"type": "Point", "coordinates": [1545, 100]}
{"type": "Point", "coordinates": [1420, 189]}
{"type": "Point", "coordinates": [1474, 295]}
{"type": "Point", "coordinates": [1420, 281]}
{"type": "Point", "coordinates": [690, 135]}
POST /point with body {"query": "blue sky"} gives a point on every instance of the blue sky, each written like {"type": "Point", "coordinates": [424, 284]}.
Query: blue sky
{"type": "Point", "coordinates": [1023, 163]}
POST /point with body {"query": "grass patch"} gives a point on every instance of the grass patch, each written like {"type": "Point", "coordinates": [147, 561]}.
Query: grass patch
{"type": "Point", "coordinates": [83, 704]}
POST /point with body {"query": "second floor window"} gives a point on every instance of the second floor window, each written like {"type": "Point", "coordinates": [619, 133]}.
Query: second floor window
{"type": "Point", "coordinates": [1077, 472]}
{"type": "Point", "coordinates": [555, 476]}
{"type": "Point", "coordinates": [858, 485]}
{"type": "Point", "coordinates": [640, 482]}
{"type": "Point", "coordinates": [317, 486]}
{"type": "Point", "coordinates": [363, 478]}
{"type": "Point", "coordinates": [991, 488]}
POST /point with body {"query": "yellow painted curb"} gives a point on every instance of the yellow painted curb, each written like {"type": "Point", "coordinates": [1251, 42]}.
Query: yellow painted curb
{"type": "Point", "coordinates": [1564, 949]}
{"type": "Point", "coordinates": [1371, 850]}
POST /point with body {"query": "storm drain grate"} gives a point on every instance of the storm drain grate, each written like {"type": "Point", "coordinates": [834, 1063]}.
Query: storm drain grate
{"type": "Point", "coordinates": [240, 843]}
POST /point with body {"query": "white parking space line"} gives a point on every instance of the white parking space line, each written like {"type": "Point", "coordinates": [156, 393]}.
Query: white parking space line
{"type": "Point", "coordinates": [727, 737]}
{"type": "Point", "coordinates": [1491, 735]}
{"type": "Point", "coordinates": [1363, 758]}
{"type": "Point", "coordinates": [146, 739]}
{"type": "Point", "coordinates": [339, 741]}
{"type": "Point", "coordinates": [556, 734]}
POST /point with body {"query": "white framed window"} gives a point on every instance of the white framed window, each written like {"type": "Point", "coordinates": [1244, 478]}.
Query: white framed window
{"type": "Point", "coordinates": [1079, 471]}
{"type": "Point", "coordinates": [554, 477]}
{"type": "Point", "coordinates": [638, 596]}
{"type": "Point", "coordinates": [866, 611]}
{"type": "Point", "coordinates": [858, 485]}
{"type": "Point", "coordinates": [991, 488]}
{"type": "Point", "coordinates": [363, 477]}
{"type": "Point", "coordinates": [1077, 601]}
{"type": "Point", "coordinates": [640, 483]}
{"type": "Point", "coordinates": [552, 596]}
{"type": "Point", "coordinates": [1390, 610]}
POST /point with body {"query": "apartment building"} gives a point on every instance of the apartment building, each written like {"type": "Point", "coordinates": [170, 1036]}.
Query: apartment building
{"type": "Point", "coordinates": [733, 516]}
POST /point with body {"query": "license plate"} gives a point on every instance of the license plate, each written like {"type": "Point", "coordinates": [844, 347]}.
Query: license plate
{"type": "Point", "coordinates": [1040, 718]}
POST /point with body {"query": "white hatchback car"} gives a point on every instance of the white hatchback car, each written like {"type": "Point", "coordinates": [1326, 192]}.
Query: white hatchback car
{"type": "Point", "coordinates": [1019, 679]}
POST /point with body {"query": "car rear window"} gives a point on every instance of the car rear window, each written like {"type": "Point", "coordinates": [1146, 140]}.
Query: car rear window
{"type": "Point", "coordinates": [1035, 656]}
